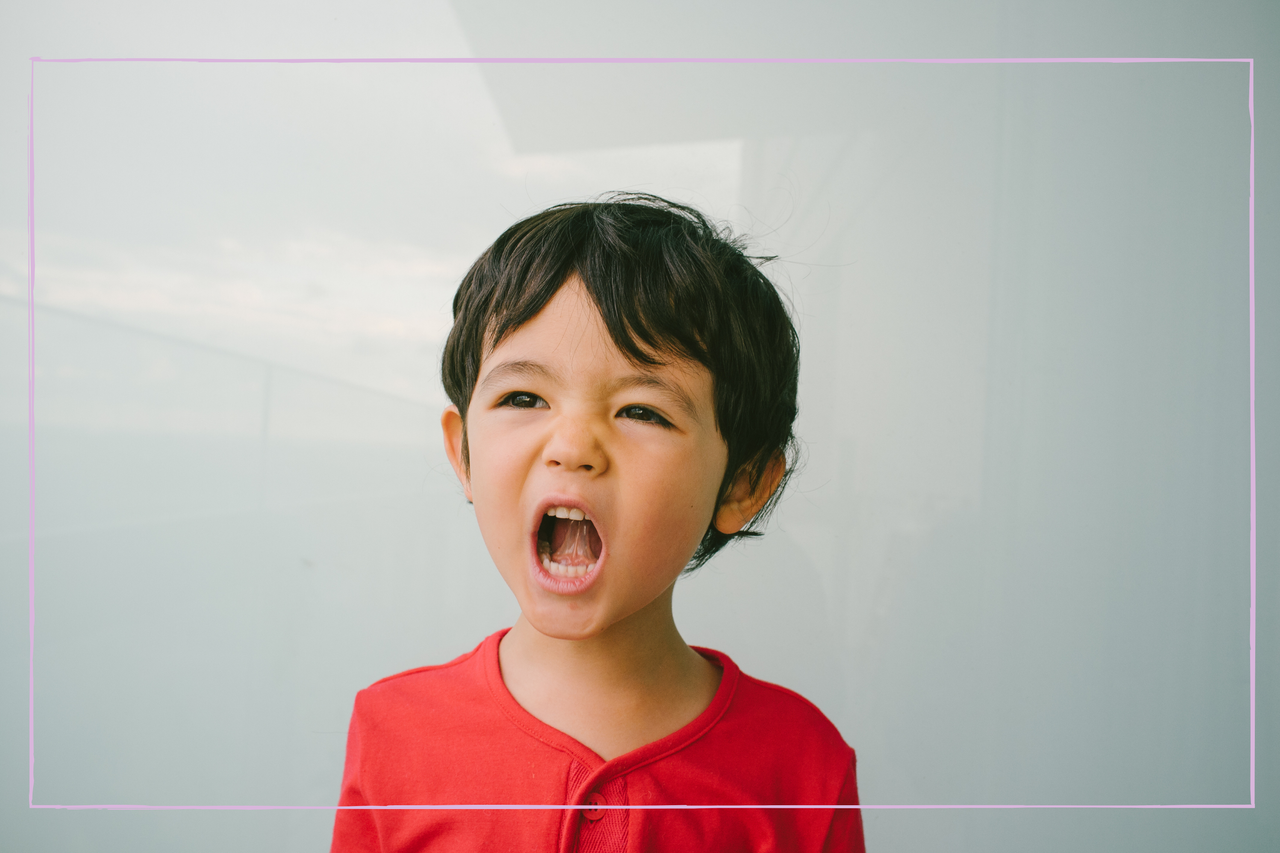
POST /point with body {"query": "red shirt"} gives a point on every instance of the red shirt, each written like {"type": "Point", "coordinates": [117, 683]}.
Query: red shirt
{"type": "Point", "coordinates": [453, 735]}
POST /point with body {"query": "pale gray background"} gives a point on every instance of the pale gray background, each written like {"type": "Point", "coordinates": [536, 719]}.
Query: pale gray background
{"type": "Point", "coordinates": [1013, 570]}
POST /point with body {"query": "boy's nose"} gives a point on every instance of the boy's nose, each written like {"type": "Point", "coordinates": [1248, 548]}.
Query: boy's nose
{"type": "Point", "coordinates": [574, 446]}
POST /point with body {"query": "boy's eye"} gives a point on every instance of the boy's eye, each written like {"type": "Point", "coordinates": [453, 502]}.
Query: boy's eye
{"type": "Point", "coordinates": [643, 413]}
{"type": "Point", "coordinates": [523, 400]}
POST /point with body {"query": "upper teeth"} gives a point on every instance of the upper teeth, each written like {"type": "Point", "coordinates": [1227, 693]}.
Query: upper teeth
{"type": "Point", "coordinates": [572, 513]}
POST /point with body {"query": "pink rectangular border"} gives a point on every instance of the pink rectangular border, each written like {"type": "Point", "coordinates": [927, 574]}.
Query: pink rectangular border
{"type": "Point", "coordinates": [31, 384]}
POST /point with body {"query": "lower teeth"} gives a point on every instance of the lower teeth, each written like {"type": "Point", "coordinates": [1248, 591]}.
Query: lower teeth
{"type": "Point", "coordinates": [559, 570]}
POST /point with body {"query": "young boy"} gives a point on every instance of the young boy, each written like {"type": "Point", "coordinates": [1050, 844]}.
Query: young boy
{"type": "Point", "coordinates": [623, 382]}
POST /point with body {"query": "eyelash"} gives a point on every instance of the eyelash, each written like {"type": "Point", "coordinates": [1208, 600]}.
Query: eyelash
{"type": "Point", "coordinates": [645, 414]}
{"type": "Point", "coordinates": [510, 400]}
{"type": "Point", "coordinates": [651, 417]}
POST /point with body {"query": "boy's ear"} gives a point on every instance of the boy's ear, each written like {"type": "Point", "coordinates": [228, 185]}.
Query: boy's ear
{"type": "Point", "coordinates": [454, 429]}
{"type": "Point", "coordinates": [742, 503]}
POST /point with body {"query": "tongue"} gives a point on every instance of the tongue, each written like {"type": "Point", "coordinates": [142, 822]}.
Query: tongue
{"type": "Point", "coordinates": [574, 543]}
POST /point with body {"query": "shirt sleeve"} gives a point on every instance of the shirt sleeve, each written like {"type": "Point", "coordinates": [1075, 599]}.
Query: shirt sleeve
{"type": "Point", "coordinates": [354, 830]}
{"type": "Point", "coordinates": [845, 833]}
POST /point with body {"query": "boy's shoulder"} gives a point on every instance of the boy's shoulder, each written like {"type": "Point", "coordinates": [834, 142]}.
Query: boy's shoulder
{"type": "Point", "coordinates": [438, 688]}
{"type": "Point", "coordinates": [774, 718]}
{"type": "Point", "coordinates": [422, 674]}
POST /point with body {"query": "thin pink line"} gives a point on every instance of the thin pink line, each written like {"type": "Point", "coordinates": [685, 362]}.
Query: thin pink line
{"type": "Point", "coordinates": [597, 60]}
{"type": "Point", "coordinates": [545, 807]}
{"type": "Point", "coordinates": [31, 605]}
{"type": "Point", "coordinates": [31, 438]}
{"type": "Point", "coordinates": [1253, 485]}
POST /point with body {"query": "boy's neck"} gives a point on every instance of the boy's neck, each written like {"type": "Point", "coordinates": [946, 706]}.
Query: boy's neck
{"type": "Point", "coordinates": [633, 683]}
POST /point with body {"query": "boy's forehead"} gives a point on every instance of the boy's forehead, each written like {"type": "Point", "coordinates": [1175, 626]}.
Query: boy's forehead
{"type": "Point", "coordinates": [568, 342]}
{"type": "Point", "coordinates": [571, 321]}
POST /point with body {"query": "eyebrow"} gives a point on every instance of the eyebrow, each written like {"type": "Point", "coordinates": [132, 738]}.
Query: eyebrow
{"type": "Point", "coordinates": [518, 370]}
{"type": "Point", "coordinates": [508, 370]}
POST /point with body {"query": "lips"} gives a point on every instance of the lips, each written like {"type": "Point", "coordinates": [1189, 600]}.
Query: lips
{"type": "Point", "coordinates": [568, 546]}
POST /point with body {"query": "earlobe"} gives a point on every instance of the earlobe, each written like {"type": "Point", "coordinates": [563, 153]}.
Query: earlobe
{"type": "Point", "coordinates": [454, 435]}
{"type": "Point", "coordinates": [742, 503]}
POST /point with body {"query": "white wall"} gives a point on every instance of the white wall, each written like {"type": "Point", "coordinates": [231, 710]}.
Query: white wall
{"type": "Point", "coordinates": [1014, 569]}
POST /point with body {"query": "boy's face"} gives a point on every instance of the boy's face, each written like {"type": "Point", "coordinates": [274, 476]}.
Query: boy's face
{"type": "Point", "coordinates": [560, 419]}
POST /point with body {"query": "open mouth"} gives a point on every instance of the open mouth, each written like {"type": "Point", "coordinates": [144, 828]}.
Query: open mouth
{"type": "Point", "coordinates": [568, 544]}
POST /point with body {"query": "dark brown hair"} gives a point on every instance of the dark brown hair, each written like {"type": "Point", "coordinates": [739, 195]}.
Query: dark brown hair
{"type": "Point", "coordinates": [669, 285]}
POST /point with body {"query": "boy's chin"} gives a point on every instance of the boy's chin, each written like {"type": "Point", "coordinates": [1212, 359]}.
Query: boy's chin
{"type": "Point", "coordinates": [564, 626]}
{"type": "Point", "coordinates": [586, 620]}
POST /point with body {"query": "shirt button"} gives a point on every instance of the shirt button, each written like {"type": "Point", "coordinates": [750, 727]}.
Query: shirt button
{"type": "Point", "coordinates": [595, 798]}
